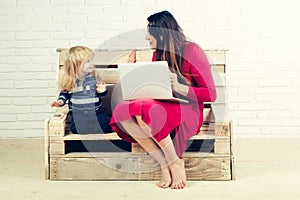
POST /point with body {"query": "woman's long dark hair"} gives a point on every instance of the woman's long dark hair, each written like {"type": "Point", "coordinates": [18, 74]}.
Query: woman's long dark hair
{"type": "Point", "coordinates": [170, 39]}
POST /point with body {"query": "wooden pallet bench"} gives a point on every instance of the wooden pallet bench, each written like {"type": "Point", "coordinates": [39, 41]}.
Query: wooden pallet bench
{"type": "Point", "coordinates": [69, 156]}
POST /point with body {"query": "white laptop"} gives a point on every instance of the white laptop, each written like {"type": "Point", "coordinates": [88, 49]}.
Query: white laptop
{"type": "Point", "coordinates": [146, 80]}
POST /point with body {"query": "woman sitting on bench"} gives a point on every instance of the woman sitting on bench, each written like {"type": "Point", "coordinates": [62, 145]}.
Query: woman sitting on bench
{"type": "Point", "coordinates": [162, 128]}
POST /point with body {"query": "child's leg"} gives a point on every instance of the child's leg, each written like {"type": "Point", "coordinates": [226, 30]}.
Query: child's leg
{"type": "Point", "coordinates": [104, 120]}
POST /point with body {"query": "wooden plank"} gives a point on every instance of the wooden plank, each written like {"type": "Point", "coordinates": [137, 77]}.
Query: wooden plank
{"type": "Point", "coordinates": [200, 136]}
{"type": "Point", "coordinates": [196, 168]}
{"type": "Point", "coordinates": [107, 136]}
{"type": "Point", "coordinates": [219, 112]}
{"type": "Point", "coordinates": [205, 133]}
{"type": "Point", "coordinates": [222, 129]}
{"type": "Point", "coordinates": [232, 151]}
{"type": "Point", "coordinates": [144, 55]}
{"type": "Point", "coordinates": [221, 95]}
{"type": "Point", "coordinates": [216, 56]}
{"type": "Point", "coordinates": [57, 147]}
{"type": "Point", "coordinates": [208, 168]}
{"type": "Point", "coordinates": [57, 125]}
{"type": "Point", "coordinates": [221, 68]}
{"type": "Point", "coordinates": [46, 130]}
{"type": "Point", "coordinates": [109, 57]}
{"type": "Point", "coordinates": [218, 76]}
{"type": "Point", "coordinates": [111, 168]}
{"type": "Point", "coordinates": [222, 146]}
{"type": "Point", "coordinates": [62, 57]}
{"type": "Point", "coordinates": [110, 76]}
{"type": "Point", "coordinates": [129, 154]}
{"type": "Point", "coordinates": [136, 168]}
{"type": "Point", "coordinates": [137, 149]}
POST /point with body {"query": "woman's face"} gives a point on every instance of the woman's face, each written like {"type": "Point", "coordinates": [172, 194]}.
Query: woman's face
{"type": "Point", "coordinates": [152, 40]}
{"type": "Point", "coordinates": [88, 66]}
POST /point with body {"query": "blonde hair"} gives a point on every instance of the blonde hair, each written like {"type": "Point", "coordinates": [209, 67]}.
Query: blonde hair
{"type": "Point", "coordinates": [76, 57]}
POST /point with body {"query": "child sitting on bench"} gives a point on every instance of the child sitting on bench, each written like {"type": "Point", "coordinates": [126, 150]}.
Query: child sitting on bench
{"type": "Point", "coordinates": [82, 87]}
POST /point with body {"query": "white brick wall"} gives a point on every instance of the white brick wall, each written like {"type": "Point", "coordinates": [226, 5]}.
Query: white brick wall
{"type": "Point", "coordinates": [263, 38]}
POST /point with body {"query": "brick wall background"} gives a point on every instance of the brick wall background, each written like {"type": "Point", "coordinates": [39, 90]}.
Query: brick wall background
{"type": "Point", "coordinates": [263, 39]}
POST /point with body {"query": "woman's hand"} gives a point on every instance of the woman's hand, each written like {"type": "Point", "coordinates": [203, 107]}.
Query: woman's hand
{"type": "Point", "coordinates": [132, 57]}
{"type": "Point", "coordinates": [177, 87]}
{"type": "Point", "coordinates": [174, 81]}
{"type": "Point", "coordinates": [101, 87]}
{"type": "Point", "coordinates": [57, 103]}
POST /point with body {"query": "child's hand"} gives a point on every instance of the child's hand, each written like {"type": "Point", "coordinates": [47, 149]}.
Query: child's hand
{"type": "Point", "coordinates": [132, 57]}
{"type": "Point", "coordinates": [57, 103]}
{"type": "Point", "coordinates": [101, 87]}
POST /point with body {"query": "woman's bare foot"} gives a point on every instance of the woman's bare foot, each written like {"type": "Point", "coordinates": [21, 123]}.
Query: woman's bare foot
{"type": "Point", "coordinates": [165, 180]}
{"type": "Point", "coordinates": [178, 174]}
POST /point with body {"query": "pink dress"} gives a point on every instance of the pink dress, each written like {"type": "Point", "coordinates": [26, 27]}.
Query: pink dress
{"type": "Point", "coordinates": [182, 121]}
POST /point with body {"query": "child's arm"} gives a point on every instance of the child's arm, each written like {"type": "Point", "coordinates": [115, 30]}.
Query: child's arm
{"type": "Point", "coordinates": [62, 99]}
{"type": "Point", "coordinates": [101, 89]}
{"type": "Point", "coordinates": [57, 103]}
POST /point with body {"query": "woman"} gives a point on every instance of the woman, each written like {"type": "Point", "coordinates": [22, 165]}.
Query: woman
{"type": "Point", "coordinates": [163, 128]}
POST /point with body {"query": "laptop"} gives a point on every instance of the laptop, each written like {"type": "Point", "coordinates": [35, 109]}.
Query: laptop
{"type": "Point", "coordinates": [146, 80]}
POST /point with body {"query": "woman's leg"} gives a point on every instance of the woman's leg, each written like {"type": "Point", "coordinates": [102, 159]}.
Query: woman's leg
{"type": "Point", "coordinates": [149, 145]}
{"type": "Point", "coordinates": [176, 165]}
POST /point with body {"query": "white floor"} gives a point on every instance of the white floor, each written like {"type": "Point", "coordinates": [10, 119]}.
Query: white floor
{"type": "Point", "coordinates": [267, 168]}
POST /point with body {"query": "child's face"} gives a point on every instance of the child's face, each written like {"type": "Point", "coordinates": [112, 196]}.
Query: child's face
{"type": "Point", "coordinates": [88, 66]}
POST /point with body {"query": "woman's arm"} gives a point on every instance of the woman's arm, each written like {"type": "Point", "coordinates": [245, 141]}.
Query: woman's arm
{"type": "Point", "coordinates": [177, 87]}
{"type": "Point", "coordinates": [203, 88]}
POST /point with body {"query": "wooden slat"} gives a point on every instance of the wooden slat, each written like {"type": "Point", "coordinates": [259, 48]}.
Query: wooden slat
{"type": "Point", "coordinates": [216, 56]}
{"type": "Point", "coordinates": [196, 169]}
{"type": "Point", "coordinates": [144, 55]}
{"type": "Point", "coordinates": [89, 168]}
{"type": "Point", "coordinates": [46, 130]}
{"type": "Point", "coordinates": [131, 155]}
{"type": "Point", "coordinates": [134, 168]}
{"type": "Point", "coordinates": [57, 126]}
{"type": "Point", "coordinates": [222, 146]}
{"type": "Point", "coordinates": [108, 57]}
{"type": "Point", "coordinates": [137, 149]}
{"type": "Point", "coordinates": [205, 133]}
{"type": "Point", "coordinates": [221, 95]}
{"type": "Point", "coordinates": [111, 75]}
{"type": "Point", "coordinates": [219, 76]}
{"type": "Point", "coordinates": [57, 147]}
{"type": "Point", "coordinates": [219, 113]}
{"type": "Point", "coordinates": [108, 136]}
{"type": "Point", "coordinates": [232, 151]}
{"type": "Point", "coordinates": [207, 168]}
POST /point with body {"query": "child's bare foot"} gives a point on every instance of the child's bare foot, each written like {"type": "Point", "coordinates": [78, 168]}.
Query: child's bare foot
{"type": "Point", "coordinates": [165, 181]}
{"type": "Point", "coordinates": [178, 174]}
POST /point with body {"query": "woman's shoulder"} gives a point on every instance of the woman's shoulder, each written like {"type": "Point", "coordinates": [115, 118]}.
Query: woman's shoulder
{"type": "Point", "coordinates": [192, 46]}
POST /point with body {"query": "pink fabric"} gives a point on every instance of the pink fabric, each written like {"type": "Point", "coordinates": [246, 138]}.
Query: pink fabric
{"type": "Point", "coordinates": [162, 116]}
